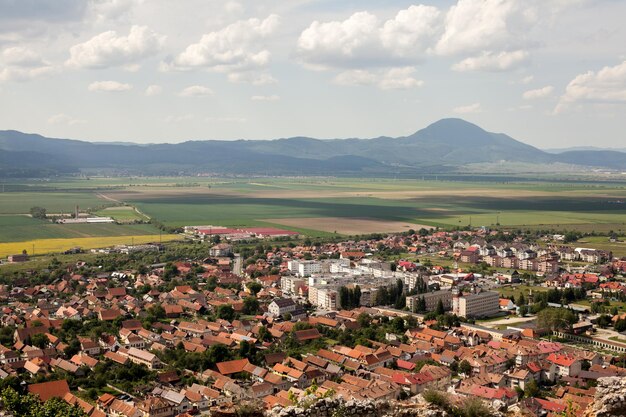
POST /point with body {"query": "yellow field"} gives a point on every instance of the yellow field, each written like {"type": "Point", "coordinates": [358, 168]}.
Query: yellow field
{"type": "Point", "coordinates": [43, 246]}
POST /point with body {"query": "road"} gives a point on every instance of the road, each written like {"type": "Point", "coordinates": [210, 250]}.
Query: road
{"type": "Point", "coordinates": [237, 265]}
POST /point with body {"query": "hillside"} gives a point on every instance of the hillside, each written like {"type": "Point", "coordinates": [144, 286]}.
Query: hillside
{"type": "Point", "coordinates": [443, 146]}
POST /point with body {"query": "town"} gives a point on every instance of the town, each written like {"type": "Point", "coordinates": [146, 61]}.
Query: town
{"type": "Point", "coordinates": [495, 320]}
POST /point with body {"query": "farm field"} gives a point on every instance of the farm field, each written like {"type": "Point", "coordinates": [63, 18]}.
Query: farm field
{"type": "Point", "coordinates": [59, 245]}
{"type": "Point", "coordinates": [515, 291]}
{"type": "Point", "coordinates": [315, 206]}
{"type": "Point", "coordinates": [348, 226]}
{"type": "Point", "coordinates": [124, 214]}
{"type": "Point", "coordinates": [21, 228]}
{"type": "Point", "coordinates": [601, 242]}
{"type": "Point", "coordinates": [53, 201]}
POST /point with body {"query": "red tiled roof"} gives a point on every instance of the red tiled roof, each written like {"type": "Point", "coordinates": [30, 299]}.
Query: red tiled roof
{"type": "Point", "coordinates": [232, 367]}
{"type": "Point", "coordinates": [51, 389]}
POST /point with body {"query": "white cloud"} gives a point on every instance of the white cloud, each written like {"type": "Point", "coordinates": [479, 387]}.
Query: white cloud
{"type": "Point", "coordinates": [471, 108]}
{"type": "Point", "coordinates": [109, 49]}
{"type": "Point", "coordinates": [153, 90]}
{"type": "Point", "coordinates": [24, 73]}
{"type": "Point", "coordinates": [252, 78]}
{"type": "Point", "coordinates": [23, 64]}
{"type": "Point", "coordinates": [488, 61]}
{"type": "Point", "coordinates": [196, 91]}
{"type": "Point", "coordinates": [265, 98]}
{"type": "Point", "coordinates": [64, 119]}
{"type": "Point", "coordinates": [20, 56]}
{"type": "Point", "coordinates": [363, 40]}
{"type": "Point", "coordinates": [234, 48]}
{"type": "Point", "coordinates": [104, 10]}
{"type": "Point", "coordinates": [233, 7]}
{"type": "Point", "coordinates": [109, 86]}
{"type": "Point", "coordinates": [411, 30]}
{"type": "Point", "coordinates": [527, 80]}
{"type": "Point", "coordinates": [538, 93]}
{"type": "Point", "coordinates": [390, 79]}
{"type": "Point", "coordinates": [485, 25]}
{"type": "Point", "coordinates": [605, 86]}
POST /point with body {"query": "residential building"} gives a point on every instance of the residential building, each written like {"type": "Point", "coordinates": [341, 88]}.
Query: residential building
{"type": "Point", "coordinates": [480, 304]}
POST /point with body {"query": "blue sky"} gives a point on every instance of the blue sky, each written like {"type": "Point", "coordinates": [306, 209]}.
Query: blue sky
{"type": "Point", "coordinates": [551, 73]}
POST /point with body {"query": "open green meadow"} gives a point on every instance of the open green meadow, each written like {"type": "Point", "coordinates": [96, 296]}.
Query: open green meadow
{"type": "Point", "coordinates": [22, 228]}
{"type": "Point", "coordinates": [315, 206]}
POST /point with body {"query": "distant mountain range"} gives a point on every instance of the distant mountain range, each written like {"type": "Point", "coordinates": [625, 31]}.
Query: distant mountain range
{"type": "Point", "coordinates": [444, 146]}
{"type": "Point", "coordinates": [583, 148]}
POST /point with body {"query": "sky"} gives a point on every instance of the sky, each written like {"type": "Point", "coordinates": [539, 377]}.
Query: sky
{"type": "Point", "coordinates": [551, 73]}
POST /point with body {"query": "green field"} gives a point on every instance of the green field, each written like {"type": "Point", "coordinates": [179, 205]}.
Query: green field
{"type": "Point", "coordinates": [125, 214]}
{"type": "Point", "coordinates": [515, 291]}
{"type": "Point", "coordinates": [602, 242]}
{"type": "Point", "coordinates": [179, 201]}
{"type": "Point", "coordinates": [53, 201]}
{"type": "Point", "coordinates": [22, 228]}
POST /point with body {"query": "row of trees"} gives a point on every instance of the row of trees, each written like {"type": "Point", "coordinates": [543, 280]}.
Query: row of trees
{"type": "Point", "coordinates": [350, 297]}
{"type": "Point", "coordinates": [392, 295]}
{"type": "Point", "coordinates": [30, 406]}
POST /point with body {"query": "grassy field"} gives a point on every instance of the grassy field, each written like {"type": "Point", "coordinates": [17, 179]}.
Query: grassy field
{"type": "Point", "coordinates": [515, 291]}
{"type": "Point", "coordinates": [602, 242]}
{"type": "Point", "coordinates": [21, 228]}
{"type": "Point", "coordinates": [53, 201]}
{"type": "Point", "coordinates": [314, 206]}
{"type": "Point", "coordinates": [123, 214]}
{"type": "Point", "coordinates": [59, 245]}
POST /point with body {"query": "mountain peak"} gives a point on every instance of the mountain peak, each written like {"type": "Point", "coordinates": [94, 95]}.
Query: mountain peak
{"type": "Point", "coordinates": [454, 131]}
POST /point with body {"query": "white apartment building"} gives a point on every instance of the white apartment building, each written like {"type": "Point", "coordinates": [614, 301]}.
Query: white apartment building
{"type": "Point", "coordinates": [291, 284]}
{"type": "Point", "coordinates": [304, 268]}
{"type": "Point", "coordinates": [325, 298]}
{"type": "Point", "coordinates": [481, 304]}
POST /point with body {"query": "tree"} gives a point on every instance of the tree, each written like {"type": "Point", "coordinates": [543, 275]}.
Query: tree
{"type": "Point", "coordinates": [254, 287]}
{"type": "Point", "coordinates": [620, 325]}
{"type": "Point", "coordinates": [421, 304]}
{"type": "Point", "coordinates": [531, 389]}
{"type": "Point", "coordinates": [30, 406]}
{"type": "Point", "coordinates": [39, 340]}
{"type": "Point", "coordinates": [264, 334]}
{"type": "Point", "coordinates": [523, 310]}
{"type": "Point", "coordinates": [225, 312]}
{"type": "Point", "coordinates": [440, 310]}
{"type": "Point", "coordinates": [604, 321]}
{"type": "Point", "coordinates": [250, 305]}
{"type": "Point", "coordinates": [465, 367]}
{"type": "Point", "coordinates": [556, 319]}
{"type": "Point", "coordinates": [38, 212]}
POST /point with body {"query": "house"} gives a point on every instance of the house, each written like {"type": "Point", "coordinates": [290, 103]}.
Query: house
{"type": "Point", "coordinates": [232, 367]}
{"type": "Point", "coordinates": [306, 335]}
{"type": "Point", "coordinates": [220, 250]}
{"type": "Point", "coordinates": [141, 357]}
{"type": "Point", "coordinates": [51, 389]}
{"type": "Point", "coordinates": [281, 306]}
{"type": "Point", "coordinates": [156, 407]}
{"type": "Point", "coordinates": [507, 305]}
{"type": "Point", "coordinates": [565, 365]}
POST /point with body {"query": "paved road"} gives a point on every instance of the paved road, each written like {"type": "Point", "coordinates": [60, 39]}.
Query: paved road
{"type": "Point", "coordinates": [237, 265]}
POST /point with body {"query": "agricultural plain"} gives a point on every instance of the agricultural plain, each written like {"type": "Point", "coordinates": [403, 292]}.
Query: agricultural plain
{"type": "Point", "coordinates": [43, 246]}
{"type": "Point", "coordinates": [314, 206]}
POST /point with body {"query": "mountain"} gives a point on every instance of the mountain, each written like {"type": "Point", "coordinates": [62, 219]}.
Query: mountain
{"type": "Point", "coordinates": [444, 146]}
{"type": "Point", "coordinates": [583, 148]}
